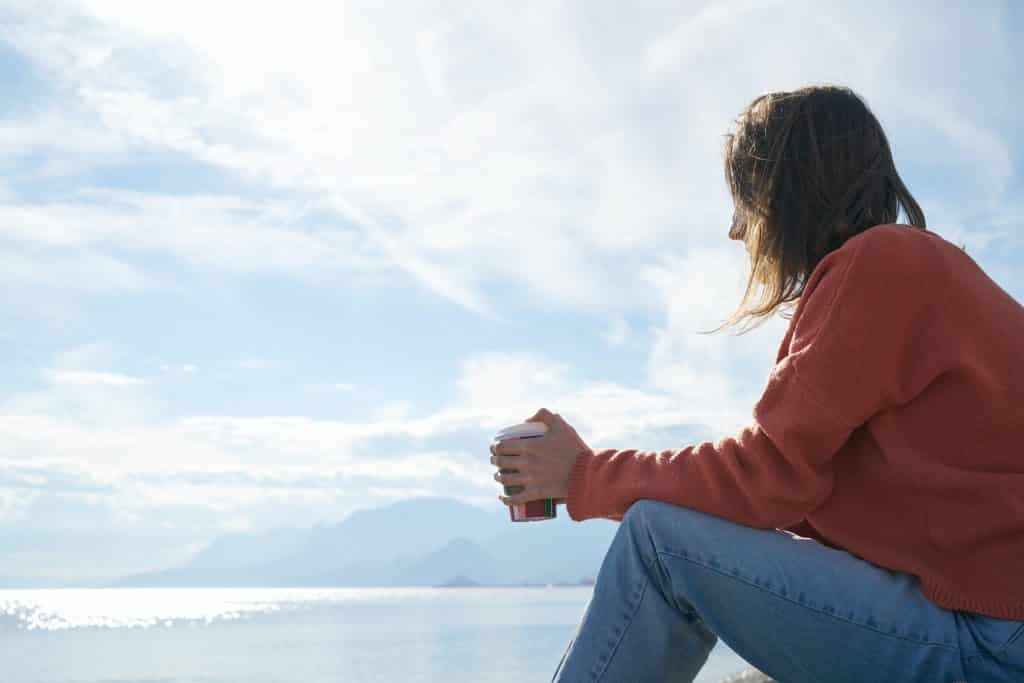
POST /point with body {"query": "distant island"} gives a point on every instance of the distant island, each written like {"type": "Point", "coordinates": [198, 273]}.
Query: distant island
{"type": "Point", "coordinates": [459, 581]}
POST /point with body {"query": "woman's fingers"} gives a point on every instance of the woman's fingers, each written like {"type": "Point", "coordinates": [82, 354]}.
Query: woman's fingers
{"type": "Point", "coordinates": [514, 497]}
{"type": "Point", "coordinates": [514, 482]}
{"type": "Point", "coordinates": [509, 477]}
{"type": "Point", "coordinates": [512, 447]}
{"type": "Point", "coordinates": [511, 461]}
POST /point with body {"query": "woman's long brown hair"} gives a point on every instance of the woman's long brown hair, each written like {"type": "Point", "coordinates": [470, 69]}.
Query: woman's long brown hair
{"type": "Point", "coordinates": [807, 170]}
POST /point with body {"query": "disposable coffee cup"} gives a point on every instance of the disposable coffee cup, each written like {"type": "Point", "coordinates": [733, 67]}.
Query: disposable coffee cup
{"type": "Point", "coordinates": [534, 510]}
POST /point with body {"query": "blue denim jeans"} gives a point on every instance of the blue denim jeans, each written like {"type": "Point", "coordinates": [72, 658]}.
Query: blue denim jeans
{"type": "Point", "coordinates": [675, 580]}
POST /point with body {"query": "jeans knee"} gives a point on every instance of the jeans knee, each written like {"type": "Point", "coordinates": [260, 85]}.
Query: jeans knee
{"type": "Point", "coordinates": [650, 516]}
{"type": "Point", "coordinates": [669, 525]}
{"type": "Point", "coordinates": [636, 529]}
{"type": "Point", "coordinates": [641, 511]}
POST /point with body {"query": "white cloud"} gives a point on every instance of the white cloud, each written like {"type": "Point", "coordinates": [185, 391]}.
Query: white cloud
{"type": "Point", "coordinates": [14, 505]}
{"type": "Point", "coordinates": [698, 33]}
{"type": "Point", "coordinates": [509, 387]}
{"type": "Point", "coordinates": [88, 378]}
{"type": "Point", "coordinates": [393, 411]}
{"type": "Point", "coordinates": [84, 270]}
{"type": "Point", "coordinates": [699, 290]}
{"type": "Point", "coordinates": [232, 234]}
{"type": "Point", "coordinates": [970, 141]}
{"type": "Point", "coordinates": [617, 333]}
{"type": "Point", "coordinates": [83, 385]}
{"type": "Point", "coordinates": [237, 466]}
{"type": "Point", "coordinates": [542, 150]}
{"type": "Point", "coordinates": [553, 151]}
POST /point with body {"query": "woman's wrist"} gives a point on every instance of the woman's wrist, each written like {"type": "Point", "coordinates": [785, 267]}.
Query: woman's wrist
{"type": "Point", "coordinates": [576, 477]}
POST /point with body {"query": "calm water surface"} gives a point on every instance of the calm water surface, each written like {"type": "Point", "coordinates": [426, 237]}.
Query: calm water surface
{"type": "Point", "coordinates": [347, 635]}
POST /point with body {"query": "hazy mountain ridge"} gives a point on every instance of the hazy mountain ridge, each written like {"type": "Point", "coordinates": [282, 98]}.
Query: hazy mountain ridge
{"type": "Point", "coordinates": [423, 541]}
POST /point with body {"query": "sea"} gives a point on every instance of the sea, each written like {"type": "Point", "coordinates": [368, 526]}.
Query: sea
{"type": "Point", "coordinates": [286, 635]}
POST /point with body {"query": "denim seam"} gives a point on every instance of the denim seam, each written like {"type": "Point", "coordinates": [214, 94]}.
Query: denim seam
{"type": "Point", "coordinates": [806, 606]}
{"type": "Point", "coordinates": [629, 623]}
{"type": "Point", "coordinates": [994, 655]}
{"type": "Point", "coordinates": [1012, 639]}
{"type": "Point", "coordinates": [664, 577]}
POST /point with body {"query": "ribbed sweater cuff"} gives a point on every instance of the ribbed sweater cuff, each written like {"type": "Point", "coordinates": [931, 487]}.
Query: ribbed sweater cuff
{"type": "Point", "coordinates": [992, 606]}
{"type": "Point", "coordinates": [576, 497]}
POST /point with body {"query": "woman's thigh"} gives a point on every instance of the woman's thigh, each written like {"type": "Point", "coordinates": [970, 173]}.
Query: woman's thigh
{"type": "Point", "coordinates": [993, 648]}
{"type": "Point", "coordinates": [797, 609]}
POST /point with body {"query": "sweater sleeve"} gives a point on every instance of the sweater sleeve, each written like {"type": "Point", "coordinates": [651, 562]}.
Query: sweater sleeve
{"type": "Point", "coordinates": [848, 354]}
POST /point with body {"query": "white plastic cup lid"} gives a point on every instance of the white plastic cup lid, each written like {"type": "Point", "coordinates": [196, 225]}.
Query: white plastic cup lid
{"type": "Point", "coordinates": [522, 430]}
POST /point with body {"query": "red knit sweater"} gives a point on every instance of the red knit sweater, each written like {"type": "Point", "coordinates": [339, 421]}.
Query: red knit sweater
{"type": "Point", "coordinates": [892, 427]}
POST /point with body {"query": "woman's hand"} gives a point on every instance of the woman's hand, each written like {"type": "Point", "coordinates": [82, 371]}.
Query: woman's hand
{"type": "Point", "coordinates": [542, 464]}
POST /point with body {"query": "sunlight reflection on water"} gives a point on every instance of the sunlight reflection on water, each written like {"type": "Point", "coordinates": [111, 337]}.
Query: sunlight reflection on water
{"type": "Point", "coordinates": [58, 609]}
{"type": "Point", "coordinates": [288, 635]}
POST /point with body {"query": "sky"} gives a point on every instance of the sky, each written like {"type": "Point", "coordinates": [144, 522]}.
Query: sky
{"type": "Point", "coordinates": [265, 264]}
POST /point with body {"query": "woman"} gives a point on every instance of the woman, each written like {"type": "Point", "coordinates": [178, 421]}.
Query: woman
{"type": "Point", "coordinates": [869, 524]}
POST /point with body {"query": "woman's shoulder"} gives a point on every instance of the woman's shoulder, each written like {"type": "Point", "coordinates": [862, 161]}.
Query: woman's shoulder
{"type": "Point", "coordinates": [892, 237]}
{"type": "Point", "coordinates": [873, 252]}
{"type": "Point", "coordinates": [889, 269]}
{"type": "Point", "coordinates": [893, 233]}
{"type": "Point", "coordinates": [893, 252]}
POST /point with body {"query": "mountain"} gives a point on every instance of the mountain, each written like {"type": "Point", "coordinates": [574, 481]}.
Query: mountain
{"type": "Point", "coordinates": [417, 542]}
{"type": "Point", "coordinates": [403, 530]}
{"type": "Point", "coordinates": [457, 558]}
{"type": "Point", "coordinates": [245, 550]}
{"type": "Point", "coordinates": [554, 551]}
